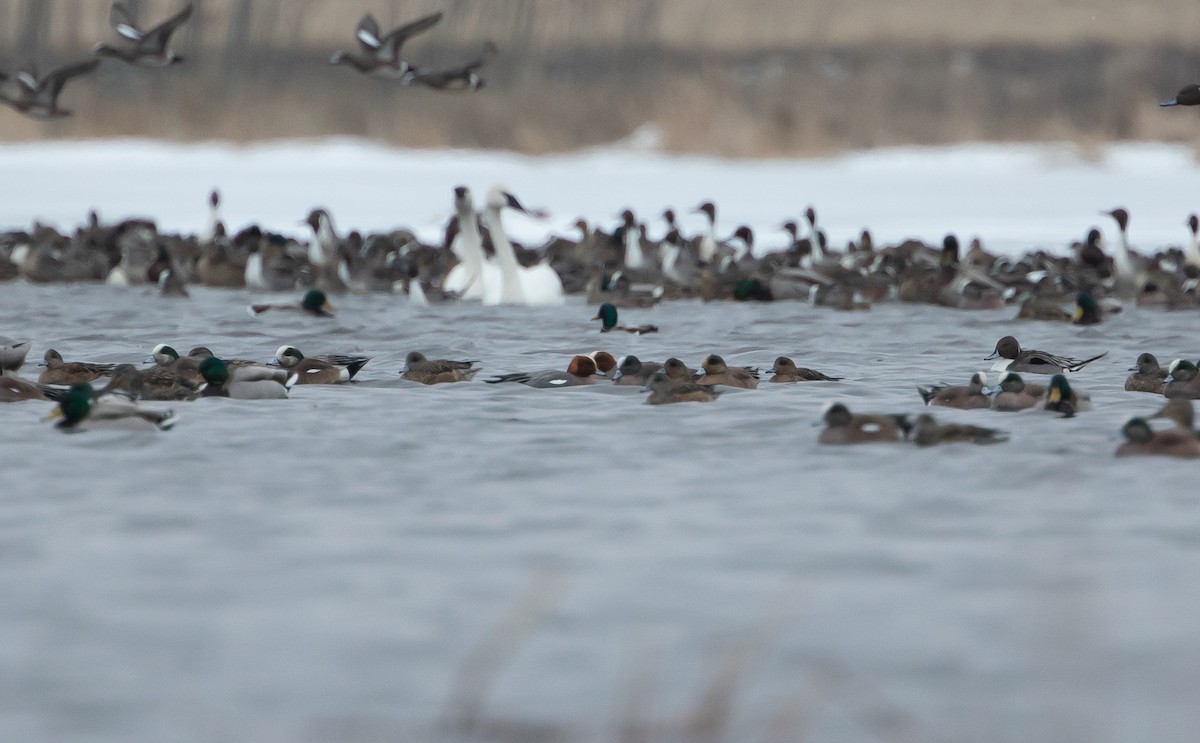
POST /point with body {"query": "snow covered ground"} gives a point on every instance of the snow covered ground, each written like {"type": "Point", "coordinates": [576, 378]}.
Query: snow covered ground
{"type": "Point", "coordinates": [1013, 196]}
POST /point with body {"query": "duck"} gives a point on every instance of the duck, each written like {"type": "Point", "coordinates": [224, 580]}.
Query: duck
{"type": "Point", "coordinates": [61, 372]}
{"type": "Point", "coordinates": [1061, 398]}
{"type": "Point", "coordinates": [218, 383]}
{"type": "Point", "coordinates": [665, 390]}
{"type": "Point", "coordinates": [148, 48]}
{"type": "Point", "coordinates": [969, 397]}
{"type": "Point", "coordinates": [606, 363]}
{"type": "Point", "coordinates": [162, 383]}
{"type": "Point", "coordinates": [80, 409]}
{"type": "Point", "coordinates": [842, 427]}
{"type": "Point", "coordinates": [607, 315]}
{"type": "Point", "coordinates": [1126, 264]}
{"type": "Point", "coordinates": [464, 78]}
{"type": "Point", "coordinates": [1087, 311]}
{"type": "Point", "coordinates": [581, 371]}
{"type": "Point", "coordinates": [716, 372]}
{"type": "Point", "coordinates": [314, 303]}
{"type": "Point", "coordinates": [417, 368]}
{"type": "Point", "coordinates": [12, 357]}
{"type": "Point", "coordinates": [1012, 395]}
{"type": "Point", "coordinates": [38, 96]}
{"type": "Point", "coordinates": [167, 358]}
{"type": "Point", "coordinates": [15, 389]}
{"type": "Point", "coordinates": [242, 370]}
{"type": "Point", "coordinates": [383, 50]}
{"type": "Point", "coordinates": [786, 371]}
{"type": "Point", "coordinates": [1179, 410]}
{"type": "Point", "coordinates": [1013, 358]}
{"type": "Point", "coordinates": [632, 371]}
{"type": "Point", "coordinates": [1141, 440]}
{"type": "Point", "coordinates": [928, 432]}
{"type": "Point", "coordinates": [535, 285]}
{"type": "Point", "coordinates": [319, 369]}
{"type": "Point", "coordinates": [1188, 95]}
{"type": "Point", "coordinates": [1182, 380]}
{"type": "Point", "coordinates": [1147, 375]}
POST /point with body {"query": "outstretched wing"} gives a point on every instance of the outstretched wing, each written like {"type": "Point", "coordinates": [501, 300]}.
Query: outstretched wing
{"type": "Point", "coordinates": [390, 44]}
{"type": "Point", "coordinates": [488, 53]}
{"type": "Point", "coordinates": [367, 32]}
{"type": "Point", "coordinates": [122, 22]}
{"type": "Point", "coordinates": [55, 81]}
{"type": "Point", "coordinates": [162, 32]}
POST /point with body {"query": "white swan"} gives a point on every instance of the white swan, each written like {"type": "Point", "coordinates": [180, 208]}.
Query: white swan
{"type": "Point", "coordinates": [536, 285]}
{"type": "Point", "coordinates": [473, 272]}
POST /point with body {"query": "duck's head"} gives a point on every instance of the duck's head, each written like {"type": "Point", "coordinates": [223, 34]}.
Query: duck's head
{"type": "Point", "coordinates": [1181, 370]}
{"type": "Point", "coordinates": [837, 414]}
{"type": "Point", "coordinates": [629, 366]}
{"type": "Point", "coordinates": [581, 366]}
{"type": "Point", "coordinates": [51, 358]}
{"type": "Point", "coordinates": [163, 355]}
{"type": "Point", "coordinates": [1147, 363]}
{"type": "Point", "coordinates": [462, 200]}
{"type": "Point", "coordinates": [288, 356]}
{"type": "Point", "coordinates": [500, 198]}
{"type": "Point", "coordinates": [1058, 394]}
{"type": "Point", "coordinates": [315, 218]}
{"type": "Point", "coordinates": [714, 364]}
{"type": "Point", "coordinates": [1120, 214]}
{"type": "Point", "coordinates": [1138, 431]}
{"type": "Point", "coordinates": [607, 315]}
{"type": "Point", "coordinates": [978, 383]}
{"type": "Point", "coordinates": [708, 209]}
{"type": "Point", "coordinates": [784, 365]}
{"type": "Point", "coordinates": [676, 369]}
{"type": "Point", "coordinates": [315, 301]}
{"type": "Point", "coordinates": [413, 358]}
{"type": "Point", "coordinates": [214, 371]}
{"type": "Point", "coordinates": [605, 362]}
{"type": "Point", "coordinates": [201, 353]}
{"type": "Point", "coordinates": [74, 405]}
{"type": "Point", "coordinates": [1012, 382]}
{"type": "Point", "coordinates": [1085, 306]}
{"type": "Point", "coordinates": [1006, 348]}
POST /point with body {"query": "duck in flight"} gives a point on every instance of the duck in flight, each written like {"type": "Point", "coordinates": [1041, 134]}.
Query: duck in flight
{"type": "Point", "coordinates": [38, 96]}
{"type": "Point", "coordinates": [147, 48]}
{"type": "Point", "coordinates": [382, 51]}
{"type": "Point", "coordinates": [463, 78]}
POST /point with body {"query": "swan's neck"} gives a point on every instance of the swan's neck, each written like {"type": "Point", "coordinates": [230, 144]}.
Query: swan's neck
{"type": "Point", "coordinates": [1122, 259]}
{"type": "Point", "coordinates": [322, 249]}
{"type": "Point", "coordinates": [469, 241]}
{"type": "Point", "coordinates": [510, 271]}
{"type": "Point", "coordinates": [814, 237]}
{"type": "Point", "coordinates": [633, 249]}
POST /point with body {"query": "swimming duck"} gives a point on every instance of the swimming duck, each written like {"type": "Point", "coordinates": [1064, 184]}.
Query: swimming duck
{"type": "Point", "coordinates": [60, 372]}
{"type": "Point", "coordinates": [1013, 395]}
{"type": "Point", "coordinates": [1061, 398]}
{"type": "Point", "coordinates": [1182, 380]}
{"type": "Point", "coordinates": [164, 383]}
{"type": "Point", "coordinates": [383, 50]}
{"type": "Point", "coordinates": [12, 357]}
{"type": "Point", "coordinates": [186, 367]}
{"type": "Point", "coordinates": [969, 397]}
{"type": "Point", "coordinates": [581, 371]}
{"type": "Point", "coordinates": [1141, 440]}
{"type": "Point", "coordinates": [463, 78]}
{"type": "Point", "coordinates": [1188, 95]}
{"type": "Point", "coordinates": [928, 432]}
{"type": "Point", "coordinates": [38, 96]}
{"type": "Point", "coordinates": [80, 410]}
{"type": "Point", "coordinates": [634, 371]}
{"type": "Point", "coordinates": [313, 303]}
{"type": "Point", "coordinates": [1147, 376]}
{"type": "Point", "coordinates": [417, 368]}
{"type": "Point", "coordinates": [217, 383]}
{"type": "Point", "coordinates": [150, 48]}
{"type": "Point", "coordinates": [1012, 358]}
{"type": "Point", "coordinates": [606, 363]}
{"type": "Point", "coordinates": [319, 369]}
{"type": "Point", "coordinates": [786, 371]}
{"type": "Point", "coordinates": [665, 390]}
{"type": "Point", "coordinates": [842, 427]}
{"type": "Point", "coordinates": [607, 315]}
{"type": "Point", "coordinates": [716, 372]}
{"type": "Point", "coordinates": [1087, 311]}
{"type": "Point", "coordinates": [15, 389]}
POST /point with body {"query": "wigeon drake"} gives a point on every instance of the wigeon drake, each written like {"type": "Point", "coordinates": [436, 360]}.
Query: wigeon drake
{"type": "Point", "coordinates": [581, 371]}
{"type": "Point", "coordinates": [843, 427]}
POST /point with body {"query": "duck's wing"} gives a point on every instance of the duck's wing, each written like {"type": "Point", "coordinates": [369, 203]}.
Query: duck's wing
{"type": "Point", "coordinates": [122, 22]}
{"type": "Point", "coordinates": [53, 83]}
{"type": "Point", "coordinates": [367, 33]}
{"type": "Point", "coordinates": [161, 33]}
{"type": "Point", "coordinates": [389, 45]}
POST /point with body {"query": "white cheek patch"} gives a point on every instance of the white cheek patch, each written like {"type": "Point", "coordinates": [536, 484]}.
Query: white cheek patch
{"type": "Point", "coordinates": [871, 428]}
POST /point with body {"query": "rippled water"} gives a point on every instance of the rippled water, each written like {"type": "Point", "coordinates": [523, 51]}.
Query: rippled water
{"type": "Point", "coordinates": [331, 567]}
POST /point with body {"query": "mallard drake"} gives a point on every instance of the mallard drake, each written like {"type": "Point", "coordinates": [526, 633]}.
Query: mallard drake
{"type": "Point", "coordinates": [314, 302]}
{"type": "Point", "coordinates": [80, 409]}
{"type": "Point", "coordinates": [607, 315]}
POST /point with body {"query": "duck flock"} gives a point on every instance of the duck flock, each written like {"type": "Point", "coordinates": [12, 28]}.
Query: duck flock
{"type": "Point", "coordinates": [379, 55]}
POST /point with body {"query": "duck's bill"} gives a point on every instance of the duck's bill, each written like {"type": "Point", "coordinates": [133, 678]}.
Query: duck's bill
{"type": "Point", "coordinates": [1172, 102]}
{"type": "Point", "coordinates": [56, 413]}
{"type": "Point", "coordinates": [991, 356]}
{"type": "Point", "coordinates": [328, 306]}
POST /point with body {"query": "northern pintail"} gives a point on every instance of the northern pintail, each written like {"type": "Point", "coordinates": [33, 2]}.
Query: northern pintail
{"type": "Point", "coordinates": [786, 371]}
{"type": "Point", "coordinates": [1142, 440]}
{"type": "Point", "coordinates": [38, 96]}
{"type": "Point", "coordinates": [607, 315]}
{"type": "Point", "coordinates": [1147, 375]}
{"type": "Point", "coordinates": [926, 431]}
{"type": "Point", "coordinates": [1013, 358]}
{"type": "Point", "coordinates": [150, 48]}
{"type": "Point", "coordinates": [843, 427]}
{"type": "Point", "coordinates": [971, 396]}
{"type": "Point", "coordinates": [417, 368]}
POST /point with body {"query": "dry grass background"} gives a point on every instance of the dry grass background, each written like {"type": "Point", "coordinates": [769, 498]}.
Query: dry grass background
{"type": "Point", "coordinates": [754, 77]}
